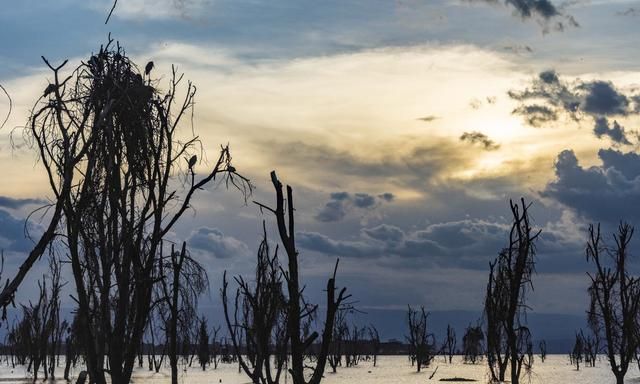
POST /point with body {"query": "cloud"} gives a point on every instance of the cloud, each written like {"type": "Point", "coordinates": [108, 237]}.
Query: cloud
{"type": "Point", "coordinates": [12, 233]}
{"type": "Point", "coordinates": [480, 139]}
{"type": "Point", "coordinates": [13, 203]}
{"type": "Point", "coordinates": [340, 203]}
{"type": "Point", "coordinates": [320, 243]}
{"type": "Point", "coordinates": [428, 119]}
{"type": "Point", "coordinates": [212, 241]}
{"type": "Point", "coordinates": [546, 12]}
{"type": "Point", "coordinates": [385, 233]}
{"type": "Point", "coordinates": [606, 192]}
{"type": "Point", "coordinates": [467, 244]}
{"type": "Point", "coordinates": [616, 132]}
{"type": "Point", "coordinates": [548, 98]}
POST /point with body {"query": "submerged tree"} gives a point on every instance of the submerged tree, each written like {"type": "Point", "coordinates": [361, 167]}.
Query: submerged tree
{"type": "Point", "coordinates": [298, 310]}
{"type": "Point", "coordinates": [615, 297]}
{"type": "Point", "coordinates": [181, 281]}
{"type": "Point", "coordinates": [337, 347]}
{"type": "Point", "coordinates": [374, 337]}
{"type": "Point", "coordinates": [449, 345]}
{"type": "Point", "coordinates": [577, 352]}
{"type": "Point", "coordinates": [422, 343]}
{"type": "Point", "coordinates": [472, 344]}
{"type": "Point", "coordinates": [259, 318]}
{"type": "Point", "coordinates": [109, 142]}
{"type": "Point", "coordinates": [542, 345]}
{"type": "Point", "coordinates": [508, 338]}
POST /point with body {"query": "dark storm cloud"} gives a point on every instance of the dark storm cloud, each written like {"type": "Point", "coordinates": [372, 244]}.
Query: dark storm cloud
{"type": "Point", "coordinates": [602, 98]}
{"type": "Point", "coordinates": [536, 115]}
{"type": "Point", "coordinates": [215, 243]}
{"type": "Point", "coordinates": [481, 139]}
{"type": "Point", "coordinates": [340, 203]}
{"type": "Point", "coordinates": [323, 244]}
{"type": "Point", "coordinates": [385, 233]}
{"type": "Point", "coordinates": [615, 132]}
{"type": "Point", "coordinates": [12, 233]}
{"type": "Point", "coordinates": [10, 202]}
{"type": "Point", "coordinates": [546, 12]}
{"type": "Point", "coordinates": [548, 98]}
{"type": "Point", "coordinates": [467, 244]}
{"type": "Point", "coordinates": [607, 192]}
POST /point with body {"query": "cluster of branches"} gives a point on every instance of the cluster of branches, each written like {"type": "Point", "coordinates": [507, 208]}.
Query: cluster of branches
{"type": "Point", "coordinates": [121, 178]}
{"type": "Point", "coordinates": [472, 344]}
{"type": "Point", "coordinates": [271, 316]}
{"type": "Point", "coordinates": [35, 340]}
{"type": "Point", "coordinates": [615, 299]}
{"type": "Point", "coordinates": [508, 338]}
{"type": "Point", "coordinates": [352, 344]}
{"type": "Point", "coordinates": [422, 344]}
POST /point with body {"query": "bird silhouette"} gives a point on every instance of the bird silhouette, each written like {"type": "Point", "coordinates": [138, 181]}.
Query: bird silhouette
{"type": "Point", "coordinates": [192, 161]}
{"type": "Point", "coordinates": [231, 168]}
{"type": "Point", "coordinates": [50, 89]}
{"type": "Point", "coordinates": [148, 68]}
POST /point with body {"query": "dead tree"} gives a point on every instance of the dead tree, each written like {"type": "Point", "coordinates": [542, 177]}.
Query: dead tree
{"type": "Point", "coordinates": [449, 345]}
{"type": "Point", "coordinates": [109, 144]}
{"type": "Point", "coordinates": [215, 347]}
{"type": "Point", "coordinates": [259, 317]}
{"type": "Point", "coordinates": [421, 343]}
{"type": "Point", "coordinates": [297, 309]}
{"type": "Point", "coordinates": [354, 339]}
{"type": "Point", "coordinates": [374, 337]}
{"type": "Point", "coordinates": [615, 297]}
{"type": "Point", "coordinates": [337, 347]}
{"type": "Point", "coordinates": [204, 356]}
{"type": "Point", "coordinates": [472, 344]}
{"type": "Point", "coordinates": [72, 347]}
{"type": "Point", "coordinates": [577, 352]}
{"type": "Point", "coordinates": [182, 281]}
{"type": "Point", "coordinates": [43, 319]}
{"type": "Point", "coordinates": [543, 350]}
{"type": "Point", "coordinates": [508, 338]}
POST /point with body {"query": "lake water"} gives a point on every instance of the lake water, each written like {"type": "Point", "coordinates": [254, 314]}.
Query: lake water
{"type": "Point", "coordinates": [390, 370]}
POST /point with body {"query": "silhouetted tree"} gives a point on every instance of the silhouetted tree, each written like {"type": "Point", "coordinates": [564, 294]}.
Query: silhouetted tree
{"type": "Point", "coordinates": [354, 339]}
{"type": "Point", "coordinates": [182, 281]}
{"type": "Point", "coordinates": [337, 347]}
{"type": "Point", "coordinates": [297, 309]}
{"type": "Point", "coordinates": [421, 342]}
{"type": "Point", "coordinates": [472, 344]}
{"type": "Point", "coordinates": [259, 318]}
{"type": "Point", "coordinates": [508, 339]}
{"type": "Point", "coordinates": [374, 337]}
{"type": "Point", "coordinates": [615, 297]}
{"type": "Point", "coordinates": [215, 347]}
{"type": "Point", "coordinates": [204, 355]}
{"type": "Point", "coordinates": [577, 352]}
{"type": "Point", "coordinates": [543, 350]}
{"type": "Point", "coordinates": [108, 141]}
{"type": "Point", "coordinates": [449, 345]}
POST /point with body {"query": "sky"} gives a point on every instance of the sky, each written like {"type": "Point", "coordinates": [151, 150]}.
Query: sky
{"type": "Point", "coordinates": [404, 128]}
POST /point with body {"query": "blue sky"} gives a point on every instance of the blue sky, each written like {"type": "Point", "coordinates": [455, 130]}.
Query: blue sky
{"type": "Point", "coordinates": [403, 126]}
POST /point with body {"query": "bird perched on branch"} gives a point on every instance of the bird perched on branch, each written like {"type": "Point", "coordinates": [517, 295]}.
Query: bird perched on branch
{"type": "Point", "coordinates": [231, 168]}
{"type": "Point", "coordinates": [192, 161]}
{"type": "Point", "coordinates": [50, 89]}
{"type": "Point", "coordinates": [148, 68]}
